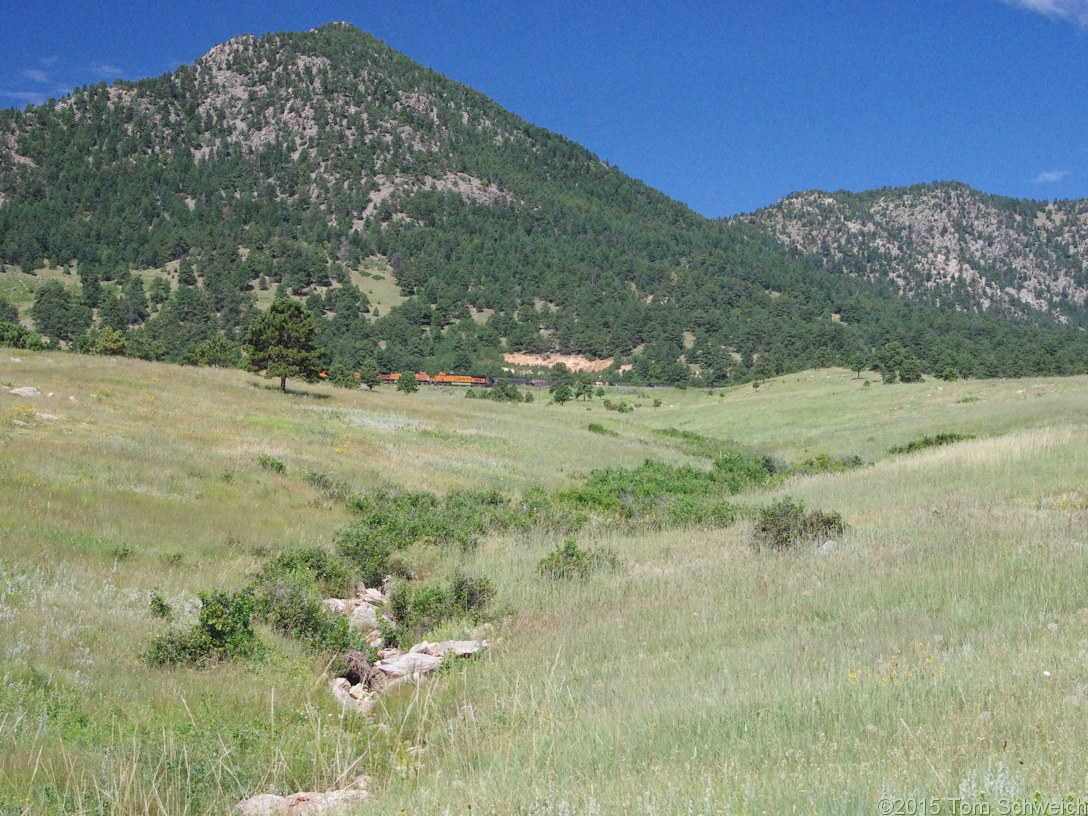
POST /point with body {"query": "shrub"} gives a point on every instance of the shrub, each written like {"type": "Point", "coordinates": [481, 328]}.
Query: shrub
{"type": "Point", "coordinates": [332, 576]}
{"type": "Point", "coordinates": [223, 631]}
{"type": "Point", "coordinates": [159, 607]}
{"type": "Point", "coordinates": [785, 523]}
{"type": "Point", "coordinates": [333, 488]}
{"type": "Point", "coordinates": [930, 442]}
{"type": "Point", "coordinates": [825, 463]}
{"type": "Point", "coordinates": [469, 595]}
{"type": "Point", "coordinates": [270, 463]}
{"type": "Point", "coordinates": [14, 335]}
{"type": "Point", "coordinates": [291, 604]}
{"type": "Point", "coordinates": [739, 469]}
{"type": "Point", "coordinates": [659, 493]}
{"type": "Point", "coordinates": [597, 428]}
{"type": "Point", "coordinates": [621, 407]}
{"type": "Point", "coordinates": [568, 561]}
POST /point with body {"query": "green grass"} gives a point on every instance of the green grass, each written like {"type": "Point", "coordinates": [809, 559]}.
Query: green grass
{"type": "Point", "coordinates": [935, 648]}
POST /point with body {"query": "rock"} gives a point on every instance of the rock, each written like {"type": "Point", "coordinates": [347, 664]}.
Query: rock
{"type": "Point", "coordinates": [19, 422]}
{"type": "Point", "coordinates": [26, 391]}
{"type": "Point", "coordinates": [355, 698]}
{"type": "Point", "coordinates": [326, 804]}
{"type": "Point", "coordinates": [374, 596]}
{"type": "Point", "coordinates": [410, 665]}
{"type": "Point", "coordinates": [334, 605]}
{"type": "Point", "coordinates": [263, 804]}
{"type": "Point", "coordinates": [47, 416]}
{"type": "Point", "coordinates": [459, 648]}
{"type": "Point", "coordinates": [306, 803]}
{"type": "Point", "coordinates": [364, 617]}
{"type": "Point", "coordinates": [359, 668]}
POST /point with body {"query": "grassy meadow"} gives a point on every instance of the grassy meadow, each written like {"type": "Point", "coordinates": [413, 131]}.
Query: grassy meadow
{"type": "Point", "coordinates": [938, 649]}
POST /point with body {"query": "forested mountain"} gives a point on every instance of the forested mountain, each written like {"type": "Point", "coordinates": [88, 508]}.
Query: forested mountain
{"type": "Point", "coordinates": [290, 163]}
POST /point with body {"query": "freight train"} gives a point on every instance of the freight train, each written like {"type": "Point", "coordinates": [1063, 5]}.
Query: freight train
{"type": "Point", "coordinates": [423, 378]}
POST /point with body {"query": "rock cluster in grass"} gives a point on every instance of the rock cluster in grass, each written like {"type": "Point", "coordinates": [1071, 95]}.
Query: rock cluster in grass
{"type": "Point", "coordinates": [358, 692]}
{"type": "Point", "coordinates": [359, 689]}
{"type": "Point", "coordinates": [363, 611]}
{"type": "Point", "coordinates": [306, 803]}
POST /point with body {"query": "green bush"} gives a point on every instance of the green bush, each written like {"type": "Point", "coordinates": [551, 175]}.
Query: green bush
{"type": "Point", "coordinates": [14, 335]}
{"type": "Point", "coordinates": [291, 604]}
{"type": "Point", "coordinates": [332, 576]}
{"type": "Point", "coordinates": [270, 463]}
{"type": "Point", "coordinates": [825, 463]}
{"type": "Point", "coordinates": [417, 609]}
{"type": "Point", "coordinates": [159, 607]}
{"type": "Point", "coordinates": [470, 596]}
{"type": "Point", "coordinates": [333, 488]}
{"type": "Point", "coordinates": [569, 561]}
{"type": "Point", "coordinates": [289, 590]}
{"type": "Point", "coordinates": [667, 495]}
{"type": "Point", "coordinates": [739, 470]}
{"type": "Point", "coordinates": [930, 442]}
{"type": "Point", "coordinates": [597, 428]}
{"type": "Point", "coordinates": [785, 524]}
{"type": "Point", "coordinates": [223, 631]}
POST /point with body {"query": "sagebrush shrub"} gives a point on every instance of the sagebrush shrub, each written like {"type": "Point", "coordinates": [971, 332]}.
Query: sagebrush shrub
{"type": "Point", "coordinates": [785, 524]}
{"type": "Point", "coordinates": [568, 561]}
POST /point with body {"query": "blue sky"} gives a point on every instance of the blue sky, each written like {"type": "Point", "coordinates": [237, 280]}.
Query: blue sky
{"type": "Point", "coordinates": [727, 106]}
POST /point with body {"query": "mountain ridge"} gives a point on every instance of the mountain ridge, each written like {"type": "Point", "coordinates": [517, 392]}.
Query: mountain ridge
{"type": "Point", "coordinates": [293, 162]}
{"type": "Point", "coordinates": [930, 239]}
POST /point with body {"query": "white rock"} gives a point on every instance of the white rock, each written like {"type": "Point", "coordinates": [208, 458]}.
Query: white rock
{"type": "Point", "coordinates": [364, 617]}
{"type": "Point", "coordinates": [263, 804]}
{"type": "Point", "coordinates": [334, 605]}
{"type": "Point", "coordinates": [26, 391]}
{"type": "Point", "coordinates": [306, 803]}
{"type": "Point", "coordinates": [459, 648]}
{"type": "Point", "coordinates": [374, 596]}
{"type": "Point", "coordinates": [354, 698]}
{"type": "Point", "coordinates": [410, 665]}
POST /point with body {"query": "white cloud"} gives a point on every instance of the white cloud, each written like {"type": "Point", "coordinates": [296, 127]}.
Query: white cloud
{"type": "Point", "coordinates": [37, 76]}
{"type": "Point", "coordinates": [1050, 176]}
{"type": "Point", "coordinates": [105, 71]}
{"type": "Point", "coordinates": [29, 97]}
{"type": "Point", "coordinates": [1073, 10]}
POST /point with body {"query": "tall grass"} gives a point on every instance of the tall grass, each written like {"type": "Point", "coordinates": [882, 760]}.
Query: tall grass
{"type": "Point", "coordinates": [934, 648]}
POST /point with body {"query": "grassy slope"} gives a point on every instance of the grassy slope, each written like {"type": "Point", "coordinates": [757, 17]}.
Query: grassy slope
{"type": "Point", "coordinates": [910, 658]}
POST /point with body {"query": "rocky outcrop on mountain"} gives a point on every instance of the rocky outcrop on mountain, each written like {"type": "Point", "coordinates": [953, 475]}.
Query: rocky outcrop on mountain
{"type": "Point", "coordinates": [947, 244]}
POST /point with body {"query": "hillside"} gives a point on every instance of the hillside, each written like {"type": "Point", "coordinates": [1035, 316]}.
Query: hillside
{"type": "Point", "coordinates": [933, 649]}
{"type": "Point", "coordinates": [323, 166]}
{"type": "Point", "coordinates": [948, 245]}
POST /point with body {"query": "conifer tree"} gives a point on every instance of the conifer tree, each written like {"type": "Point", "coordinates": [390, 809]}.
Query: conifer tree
{"type": "Point", "coordinates": [281, 343]}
